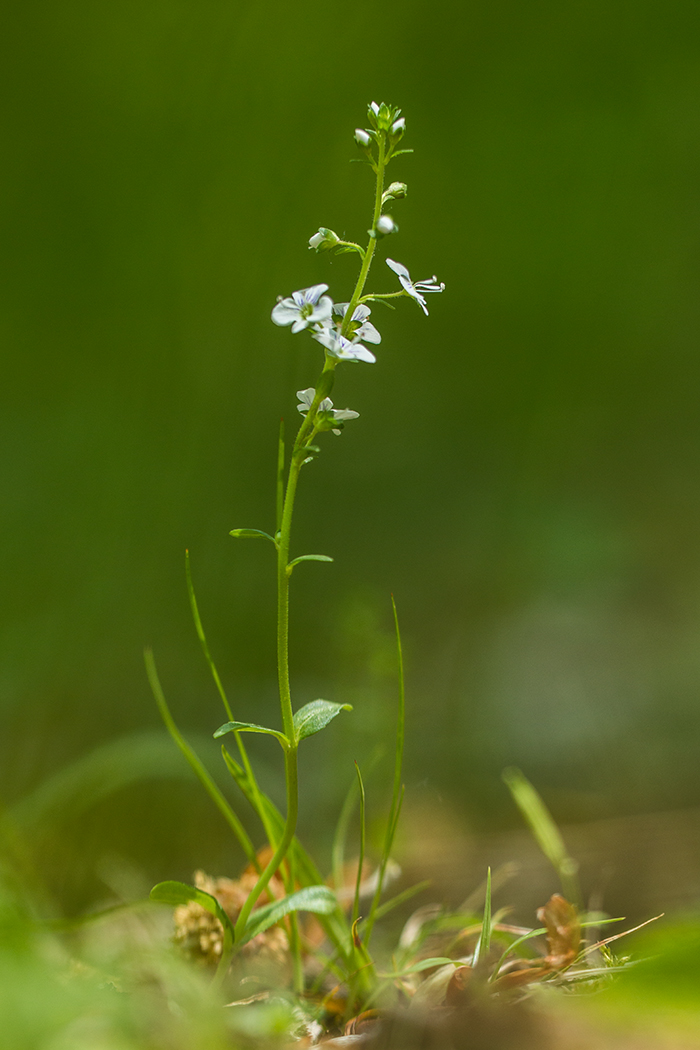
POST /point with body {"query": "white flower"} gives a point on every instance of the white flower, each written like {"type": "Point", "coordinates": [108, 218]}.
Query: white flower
{"type": "Point", "coordinates": [366, 330]}
{"type": "Point", "coordinates": [325, 409]}
{"type": "Point", "coordinates": [344, 349]}
{"type": "Point", "coordinates": [375, 108]}
{"type": "Point", "coordinates": [362, 138]}
{"type": "Point", "coordinates": [399, 126]}
{"type": "Point", "coordinates": [309, 306]}
{"type": "Point", "coordinates": [386, 225]}
{"type": "Point", "coordinates": [415, 289]}
{"type": "Point", "coordinates": [324, 240]}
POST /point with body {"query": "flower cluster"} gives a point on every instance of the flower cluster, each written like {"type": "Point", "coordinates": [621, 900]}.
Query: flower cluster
{"type": "Point", "coordinates": [344, 329]}
{"type": "Point", "coordinates": [310, 308]}
{"type": "Point", "coordinates": [327, 417]}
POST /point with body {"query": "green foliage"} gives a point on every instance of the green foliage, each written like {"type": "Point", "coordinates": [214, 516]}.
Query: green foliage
{"type": "Point", "coordinates": [315, 716]}
{"type": "Point", "coordinates": [317, 899]}
{"type": "Point", "coordinates": [545, 831]}
{"type": "Point", "coordinates": [250, 727]}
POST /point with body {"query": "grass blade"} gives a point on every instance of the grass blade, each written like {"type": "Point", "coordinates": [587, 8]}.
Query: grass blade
{"type": "Point", "coordinates": [202, 637]}
{"type": "Point", "coordinates": [481, 952]}
{"type": "Point", "coordinates": [198, 768]}
{"type": "Point", "coordinates": [361, 861]}
{"type": "Point", "coordinates": [546, 833]}
{"type": "Point", "coordinates": [397, 796]}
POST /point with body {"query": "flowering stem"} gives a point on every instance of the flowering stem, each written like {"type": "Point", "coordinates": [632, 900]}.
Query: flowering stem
{"type": "Point", "coordinates": [369, 252]}
{"type": "Point", "coordinates": [306, 433]}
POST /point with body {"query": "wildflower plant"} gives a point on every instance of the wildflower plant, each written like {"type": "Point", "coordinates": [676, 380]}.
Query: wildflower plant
{"type": "Point", "coordinates": [327, 960]}
{"type": "Point", "coordinates": [344, 333]}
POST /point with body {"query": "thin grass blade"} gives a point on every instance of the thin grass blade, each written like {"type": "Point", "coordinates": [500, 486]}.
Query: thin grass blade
{"type": "Point", "coordinates": [196, 765]}
{"type": "Point", "coordinates": [545, 831]}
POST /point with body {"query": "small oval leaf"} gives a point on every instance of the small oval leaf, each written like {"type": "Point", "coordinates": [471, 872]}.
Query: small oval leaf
{"type": "Point", "coordinates": [308, 557]}
{"type": "Point", "coordinates": [315, 716]}
{"type": "Point", "coordinates": [319, 899]}
{"type": "Point", "coordinates": [250, 727]}
{"type": "Point", "coordinates": [251, 534]}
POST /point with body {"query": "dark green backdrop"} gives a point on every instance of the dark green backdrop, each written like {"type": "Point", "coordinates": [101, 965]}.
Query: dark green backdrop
{"type": "Point", "coordinates": [525, 475]}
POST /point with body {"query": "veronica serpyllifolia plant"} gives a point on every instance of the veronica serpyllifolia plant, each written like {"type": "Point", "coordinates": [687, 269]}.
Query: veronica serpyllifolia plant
{"type": "Point", "coordinates": [342, 331]}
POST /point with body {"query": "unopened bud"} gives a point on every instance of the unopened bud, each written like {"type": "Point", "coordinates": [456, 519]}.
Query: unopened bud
{"type": "Point", "coordinates": [362, 138]}
{"type": "Point", "coordinates": [398, 127]}
{"type": "Point", "coordinates": [382, 116]}
{"type": "Point", "coordinates": [396, 191]}
{"type": "Point", "coordinates": [324, 240]}
{"type": "Point", "coordinates": [385, 226]}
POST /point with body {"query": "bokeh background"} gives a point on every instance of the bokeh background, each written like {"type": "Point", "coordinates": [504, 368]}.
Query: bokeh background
{"type": "Point", "coordinates": [525, 475]}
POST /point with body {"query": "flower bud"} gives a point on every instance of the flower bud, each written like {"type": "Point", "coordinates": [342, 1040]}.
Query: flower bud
{"type": "Point", "coordinates": [382, 116]}
{"type": "Point", "coordinates": [385, 226]}
{"type": "Point", "coordinates": [324, 240]}
{"type": "Point", "coordinates": [362, 138]}
{"type": "Point", "coordinates": [398, 127]}
{"type": "Point", "coordinates": [396, 191]}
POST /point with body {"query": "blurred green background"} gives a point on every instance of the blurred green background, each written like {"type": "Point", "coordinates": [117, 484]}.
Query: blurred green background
{"type": "Point", "coordinates": [525, 475]}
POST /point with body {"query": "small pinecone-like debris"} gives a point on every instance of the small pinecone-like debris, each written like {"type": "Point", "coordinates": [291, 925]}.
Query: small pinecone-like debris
{"type": "Point", "coordinates": [200, 935]}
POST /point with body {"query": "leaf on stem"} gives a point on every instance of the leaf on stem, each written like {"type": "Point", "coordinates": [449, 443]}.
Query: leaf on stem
{"type": "Point", "coordinates": [251, 534]}
{"type": "Point", "coordinates": [250, 727]}
{"type": "Point", "coordinates": [345, 248]}
{"type": "Point", "coordinates": [318, 899]}
{"type": "Point", "coordinates": [307, 557]}
{"type": "Point", "coordinates": [313, 717]}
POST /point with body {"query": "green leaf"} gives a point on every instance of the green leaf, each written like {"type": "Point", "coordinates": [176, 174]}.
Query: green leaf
{"type": "Point", "coordinates": [345, 248]}
{"type": "Point", "coordinates": [315, 716]}
{"type": "Point", "coordinates": [483, 946]}
{"type": "Point", "coordinates": [319, 899]}
{"type": "Point", "coordinates": [397, 798]}
{"type": "Point", "coordinates": [399, 152]}
{"type": "Point", "coordinates": [251, 534]}
{"type": "Point", "coordinates": [196, 765]}
{"type": "Point", "coordinates": [250, 727]}
{"type": "Point", "coordinates": [307, 557]}
{"type": "Point", "coordinates": [545, 831]}
{"type": "Point", "coordinates": [202, 637]}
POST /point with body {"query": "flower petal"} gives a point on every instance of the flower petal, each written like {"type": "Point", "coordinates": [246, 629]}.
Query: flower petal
{"type": "Point", "coordinates": [369, 333]}
{"type": "Point", "coordinates": [359, 353]}
{"type": "Point", "coordinates": [285, 312]}
{"type": "Point", "coordinates": [398, 268]}
{"type": "Point", "coordinates": [314, 293]}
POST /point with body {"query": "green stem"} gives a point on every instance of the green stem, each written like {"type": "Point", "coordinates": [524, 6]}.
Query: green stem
{"type": "Point", "coordinates": [291, 778]}
{"type": "Point", "coordinates": [304, 436]}
{"type": "Point", "coordinates": [367, 260]}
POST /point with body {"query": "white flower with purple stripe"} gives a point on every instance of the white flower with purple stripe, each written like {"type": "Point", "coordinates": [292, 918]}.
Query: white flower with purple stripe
{"type": "Point", "coordinates": [341, 348]}
{"type": "Point", "coordinates": [329, 414]}
{"type": "Point", "coordinates": [309, 306]}
{"type": "Point", "coordinates": [415, 289]}
{"type": "Point", "coordinates": [360, 327]}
